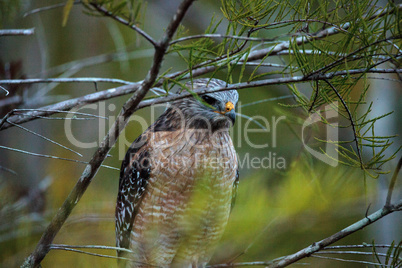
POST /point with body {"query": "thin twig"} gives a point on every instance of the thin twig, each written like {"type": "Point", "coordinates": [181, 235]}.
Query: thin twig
{"type": "Point", "coordinates": [203, 67]}
{"type": "Point", "coordinates": [106, 12]}
{"type": "Point", "coordinates": [255, 55]}
{"type": "Point", "coordinates": [358, 246]}
{"type": "Point", "coordinates": [95, 60]}
{"type": "Point", "coordinates": [52, 157]}
{"type": "Point", "coordinates": [37, 10]}
{"type": "Point", "coordinates": [354, 261]}
{"type": "Point", "coordinates": [7, 92]}
{"type": "Point", "coordinates": [352, 252]}
{"type": "Point", "coordinates": [392, 183]}
{"type": "Point", "coordinates": [92, 247]}
{"type": "Point", "coordinates": [352, 123]}
{"type": "Point", "coordinates": [88, 253]}
{"type": "Point", "coordinates": [73, 249]}
{"type": "Point", "coordinates": [315, 97]}
{"type": "Point", "coordinates": [8, 170]}
{"type": "Point", "coordinates": [265, 100]}
{"type": "Point", "coordinates": [317, 246]}
{"type": "Point", "coordinates": [64, 80]}
{"type": "Point", "coordinates": [352, 54]}
{"type": "Point", "coordinates": [17, 32]}
{"type": "Point", "coordinates": [42, 112]}
{"type": "Point", "coordinates": [45, 138]}
{"type": "Point", "coordinates": [246, 38]}
{"type": "Point", "coordinates": [300, 20]}
{"type": "Point", "coordinates": [252, 120]}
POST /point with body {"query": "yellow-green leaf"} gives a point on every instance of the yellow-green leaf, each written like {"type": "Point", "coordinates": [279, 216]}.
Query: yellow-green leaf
{"type": "Point", "coordinates": [66, 11]}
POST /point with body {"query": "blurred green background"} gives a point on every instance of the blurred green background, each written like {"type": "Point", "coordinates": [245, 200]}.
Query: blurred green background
{"type": "Point", "coordinates": [278, 210]}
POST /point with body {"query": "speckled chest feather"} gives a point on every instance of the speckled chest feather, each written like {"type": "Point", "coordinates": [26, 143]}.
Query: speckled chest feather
{"type": "Point", "coordinates": [186, 207]}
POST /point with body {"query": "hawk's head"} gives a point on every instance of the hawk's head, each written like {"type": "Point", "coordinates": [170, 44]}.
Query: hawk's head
{"type": "Point", "coordinates": [216, 110]}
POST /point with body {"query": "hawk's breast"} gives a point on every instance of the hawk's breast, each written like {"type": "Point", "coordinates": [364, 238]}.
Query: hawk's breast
{"type": "Point", "coordinates": [187, 203]}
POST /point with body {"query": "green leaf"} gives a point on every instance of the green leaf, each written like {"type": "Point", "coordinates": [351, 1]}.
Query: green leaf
{"type": "Point", "coordinates": [66, 11]}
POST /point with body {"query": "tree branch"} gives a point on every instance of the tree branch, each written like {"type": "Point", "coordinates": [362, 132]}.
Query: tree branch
{"type": "Point", "coordinates": [392, 183]}
{"type": "Point", "coordinates": [323, 244]}
{"type": "Point", "coordinates": [37, 10]}
{"type": "Point", "coordinates": [315, 247]}
{"type": "Point", "coordinates": [127, 89]}
{"type": "Point", "coordinates": [64, 80]}
{"type": "Point", "coordinates": [255, 55]}
{"type": "Point", "coordinates": [107, 13]}
{"type": "Point", "coordinates": [44, 245]}
{"type": "Point", "coordinates": [17, 32]}
{"type": "Point", "coordinates": [352, 122]}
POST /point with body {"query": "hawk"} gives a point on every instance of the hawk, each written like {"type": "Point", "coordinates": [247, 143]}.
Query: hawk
{"type": "Point", "coordinates": [178, 183]}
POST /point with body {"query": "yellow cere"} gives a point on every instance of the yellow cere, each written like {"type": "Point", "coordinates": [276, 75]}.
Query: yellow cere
{"type": "Point", "coordinates": [228, 107]}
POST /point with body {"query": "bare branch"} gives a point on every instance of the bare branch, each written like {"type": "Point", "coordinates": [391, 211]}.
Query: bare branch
{"type": "Point", "coordinates": [352, 122]}
{"type": "Point", "coordinates": [353, 261]}
{"type": "Point", "coordinates": [52, 157]}
{"type": "Point", "coordinates": [74, 249]}
{"type": "Point", "coordinates": [392, 183]}
{"type": "Point", "coordinates": [358, 246]}
{"type": "Point", "coordinates": [7, 92]}
{"type": "Point", "coordinates": [37, 10]}
{"type": "Point", "coordinates": [315, 247]}
{"type": "Point", "coordinates": [45, 138]}
{"type": "Point", "coordinates": [252, 120]}
{"type": "Point", "coordinates": [92, 247]}
{"type": "Point", "coordinates": [8, 170]}
{"type": "Point", "coordinates": [351, 252]}
{"type": "Point", "coordinates": [315, 96]}
{"type": "Point", "coordinates": [266, 100]}
{"type": "Point", "coordinates": [58, 247]}
{"type": "Point", "coordinates": [126, 89]}
{"type": "Point", "coordinates": [17, 32]}
{"type": "Point", "coordinates": [95, 60]}
{"type": "Point", "coordinates": [44, 111]}
{"type": "Point", "coordinates": [64, 80]}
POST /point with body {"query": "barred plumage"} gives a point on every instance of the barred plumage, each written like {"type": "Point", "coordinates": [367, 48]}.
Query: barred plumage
{"type": "Point", "coordinates": [178, 183]}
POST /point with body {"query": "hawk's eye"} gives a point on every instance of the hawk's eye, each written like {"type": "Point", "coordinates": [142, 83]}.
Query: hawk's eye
{"type": "Point", "coordinates": [209, 100]}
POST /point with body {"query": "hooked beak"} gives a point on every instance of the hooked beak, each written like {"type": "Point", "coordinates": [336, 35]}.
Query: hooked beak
{"type": "Point", "coordinates": [229, 111]}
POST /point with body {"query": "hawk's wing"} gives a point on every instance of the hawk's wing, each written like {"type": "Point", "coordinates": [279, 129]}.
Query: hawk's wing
{"type": "Point", "coordinates": [134, 174]}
